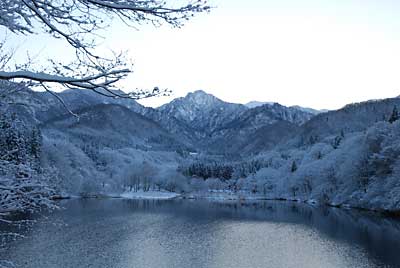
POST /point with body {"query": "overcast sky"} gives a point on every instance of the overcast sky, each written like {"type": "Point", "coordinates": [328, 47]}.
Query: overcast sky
{"type": "Point", "coordinates": [314, 53]}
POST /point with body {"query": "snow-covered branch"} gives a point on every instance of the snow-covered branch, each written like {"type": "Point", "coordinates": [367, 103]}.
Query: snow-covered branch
{"type": "Point", "coordinates": [77, 22]}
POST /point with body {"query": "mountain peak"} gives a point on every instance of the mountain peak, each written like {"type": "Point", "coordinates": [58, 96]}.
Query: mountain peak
{"type": "Point", "coordinates": [205, 110]}
{"type": "Point", "coordinates": [199, 92]}
{"type": "Point", "coordinates": [201, 97]}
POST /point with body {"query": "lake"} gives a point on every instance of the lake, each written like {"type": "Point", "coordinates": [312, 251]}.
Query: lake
{"type": "Point", "coordinates": [188, 233]}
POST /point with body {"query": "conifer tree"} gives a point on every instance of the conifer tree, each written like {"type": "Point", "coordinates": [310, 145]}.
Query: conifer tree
{"type": "Point", "coordinates": [395, 115]}
{"type": "Point", "coordinates": [294, 167]}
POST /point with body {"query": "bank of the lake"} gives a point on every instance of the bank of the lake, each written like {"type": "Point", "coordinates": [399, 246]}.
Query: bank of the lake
{"type": "Point", "coordinates": [225, 195]}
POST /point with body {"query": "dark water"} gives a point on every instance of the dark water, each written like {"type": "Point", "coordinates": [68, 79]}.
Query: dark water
{"type": "Point", "coordinates": [181, 233]}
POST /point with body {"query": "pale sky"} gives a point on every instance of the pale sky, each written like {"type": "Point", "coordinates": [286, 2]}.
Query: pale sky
{"type": "Point", "coordinates": [313, 53]}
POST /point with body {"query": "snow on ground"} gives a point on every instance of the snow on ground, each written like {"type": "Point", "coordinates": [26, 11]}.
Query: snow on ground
{"type": "Point", "coordinates": [225, 195]}
{"type": "Point", "coordinates": [149, 195]}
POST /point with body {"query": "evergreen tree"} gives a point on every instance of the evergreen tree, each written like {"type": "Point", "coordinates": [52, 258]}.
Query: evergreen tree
{"type": "Point", "coordinates": [336, 142]}
{"type": "Point", "coordinates": [395, 115]}
{"type": "Point", "coordinates": [35, 143]}
{"type": "Point", "coordinates": [12, 140]}
{"type": "Point", "coordinates": [294, 167]}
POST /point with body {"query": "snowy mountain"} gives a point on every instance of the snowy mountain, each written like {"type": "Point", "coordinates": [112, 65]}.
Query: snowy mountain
{"type": "Point", "coordinates": [199, 121]}
{"type": "Point", "coordinates": [250, 140]}
{"type": "Point", "coordinates": [202, 111]}
{"type": "Point", "coordinates": [351, 118]}
{"type": "Point", "coordinates": [42, 106]}
{"type": "Point", "coordinates": [344, 157]}
{"type": "Point", "coordinates": [255, 126]}
{"type": "Point", "coordinates": [111, 125]}
{"type": "Point", "coordinates": [202, 122]}
{"type": "Point", "coordinates": [254, 104]}
{"type": "Point", "coordinates": [218, 126]}
{"type": "Point", "coordinates": [267, 114]}
{"type": "Point", "coordinates": [309, 110]}
{"type": "Point", "coordinates": [181, 130]}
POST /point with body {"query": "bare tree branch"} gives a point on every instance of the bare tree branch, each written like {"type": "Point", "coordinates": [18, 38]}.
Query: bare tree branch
{"type": "Point", "coordinates": [78, 23]}
{"type": "Point", "coordinates": [61, 100]}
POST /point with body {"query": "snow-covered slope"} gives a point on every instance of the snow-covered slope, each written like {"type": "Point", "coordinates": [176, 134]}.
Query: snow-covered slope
{"type": "Point", "coordinates": [248, 141]}
{"type": "Point", "coordinates": [257, 129]}
{"type": "Point", "coordinates": [349, 119]}
{"type": "Point", "coordinates": [267, 114]}
{"type": "Point", "coordinates": [309, 110]}
{"type": "Point", "coordinates": [218, 126]}
{"type": "Point", "coordinates": [254, 104]}
{"type": "Point", "coordinates": [112, 125]}
{"type": "Point", "coordinates": [43, 106]}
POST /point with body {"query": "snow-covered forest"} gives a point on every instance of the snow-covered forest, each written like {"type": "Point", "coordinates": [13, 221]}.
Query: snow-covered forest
{"type": "Point", "coordinates": [120, 148]}
{"type": "Point", "coordinates": [24, 184]}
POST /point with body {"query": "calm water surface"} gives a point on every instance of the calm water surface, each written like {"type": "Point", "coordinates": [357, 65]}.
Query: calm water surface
{"type": "Point", "coordinates": [182, 233]}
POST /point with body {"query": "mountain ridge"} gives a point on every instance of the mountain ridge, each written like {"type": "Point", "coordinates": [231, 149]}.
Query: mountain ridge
{"type": "Point", "coordinates": [205, 123]}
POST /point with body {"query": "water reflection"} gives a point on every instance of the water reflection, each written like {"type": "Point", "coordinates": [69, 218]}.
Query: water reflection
{"type": "Point", "coordinates": [185, 233]}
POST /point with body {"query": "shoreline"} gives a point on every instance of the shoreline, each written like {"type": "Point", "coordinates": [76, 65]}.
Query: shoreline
{"type": "Point", "coordinates": [155, 195]}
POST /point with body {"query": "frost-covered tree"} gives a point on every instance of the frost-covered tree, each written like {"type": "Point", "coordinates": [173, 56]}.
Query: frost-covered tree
{"type": "Point", "coordinates": [175, 182]}
{"type": "Point", "coordinates": [23, 184]}
{"type": "Point", "coordinates": [78, 23]}
{"type": "Point", "coordinates": [140, 176]}
{"type": "Point", "coordinates": [13, 142]}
